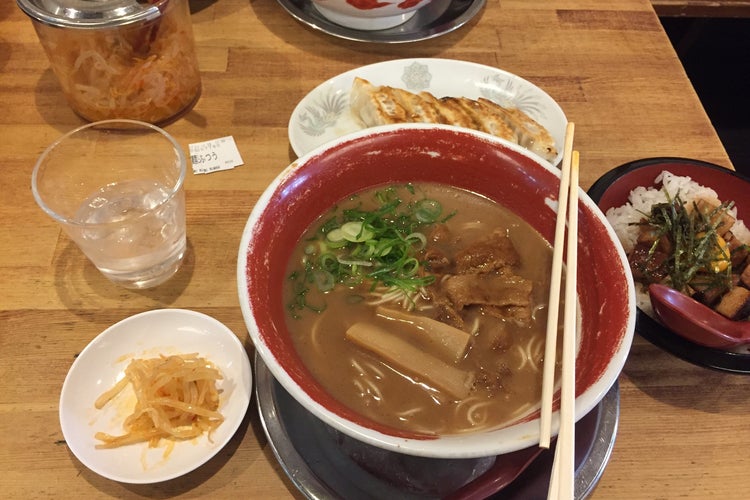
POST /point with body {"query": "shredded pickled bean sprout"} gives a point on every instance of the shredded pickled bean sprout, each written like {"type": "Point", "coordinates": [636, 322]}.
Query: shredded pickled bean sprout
{"type": "Point", "coordinates": [176, 398]}
{"type": "Point", "coordinates": [146, 72]}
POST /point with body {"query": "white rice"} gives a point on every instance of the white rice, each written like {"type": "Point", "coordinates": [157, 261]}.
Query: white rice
{"type": "Point", "coordinates": [640, 201]}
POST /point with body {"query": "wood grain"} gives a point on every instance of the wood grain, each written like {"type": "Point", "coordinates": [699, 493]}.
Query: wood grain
{"type": "Point", "coordinates": [683, 431]}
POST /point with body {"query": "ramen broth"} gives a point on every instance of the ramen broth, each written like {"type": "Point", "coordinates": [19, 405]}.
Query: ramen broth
{"type": "Point", "coordinates": [504, 355]}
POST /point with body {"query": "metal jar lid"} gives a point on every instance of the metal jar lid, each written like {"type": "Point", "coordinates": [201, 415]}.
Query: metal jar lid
{"type": "Point", "coordinates": [91, 14]}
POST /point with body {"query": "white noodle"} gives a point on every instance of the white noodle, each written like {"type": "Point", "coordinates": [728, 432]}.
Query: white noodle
{"type": "Point", "coordinates": [374, 369]}
{"type": "Point", "coordinates": [359, 387]}
{"type": "Point", "coordinates": [522, 353]}
{"type": "Point", "coordinates": [539, 349]}
{"type": "Point", "coordinates": [314, 334]}
{"type": "Point", "coordinates": [472, 225]}
{"type": "Point", "coordinates": [475, 415]}
{"type": "Point", "coordinates": [357, 367]}
{"type": "Point", "coordinates": [364, 382]}
{"type": "Point", "coordinates": [403, 415]}
{"type": "Point", "coordinates": [373, 390]}
{"type": "Point", "coordinates": [536, 309]}
{"type": "Point", "coordinates": [521, 410]}
{"type": "Point", "coordinates": [533, 351]}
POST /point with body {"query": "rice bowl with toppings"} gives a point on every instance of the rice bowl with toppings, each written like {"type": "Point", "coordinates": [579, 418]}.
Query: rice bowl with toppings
{"type": "Point", "coordinates": [613, 190]}
{"type": "Point", "coordinates": [666, 186]}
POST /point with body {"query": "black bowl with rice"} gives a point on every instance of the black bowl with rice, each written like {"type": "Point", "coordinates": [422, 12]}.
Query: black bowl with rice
{"type": "Point", "coordinates": [627, 195]}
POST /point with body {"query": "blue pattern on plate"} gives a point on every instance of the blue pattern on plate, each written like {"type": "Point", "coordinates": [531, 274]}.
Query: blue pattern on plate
{"type": "Point", "coordinates": [511, 94]}
{"type": "Point", "coordinates": [416, 77]}
{"type": "Point", "coordinates": [317, 117]}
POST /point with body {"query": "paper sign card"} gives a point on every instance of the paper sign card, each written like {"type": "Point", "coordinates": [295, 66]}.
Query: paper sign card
{"type": "Point", "coordinates": [217, 154]}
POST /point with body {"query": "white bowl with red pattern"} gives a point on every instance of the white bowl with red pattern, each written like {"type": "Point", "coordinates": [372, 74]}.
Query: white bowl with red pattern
{"type": "Point", "coordinates": [368, 14]}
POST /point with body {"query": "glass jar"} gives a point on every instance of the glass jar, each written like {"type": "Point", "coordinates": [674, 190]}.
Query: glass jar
{"type": "Point", "coordinates": [120, 58]}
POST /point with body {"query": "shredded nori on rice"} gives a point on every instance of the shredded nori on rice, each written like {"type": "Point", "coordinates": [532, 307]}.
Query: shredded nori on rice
{"type": "Point", "coordinates": [695, 245]}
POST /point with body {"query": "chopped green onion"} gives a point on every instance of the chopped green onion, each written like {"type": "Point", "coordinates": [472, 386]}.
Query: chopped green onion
{"type": "Point", "coordinates": [417, 237]}
{"type": "Point", "coordinates": [377, 246]}
{"type": "Point", "coordinates": [336, 235]}
{"type": "Point", "coordinates": [324, 280]}
{"type": "Point", "coordinates": [427, 211]}
{"type": "Point", "coordinates": [356, 231]}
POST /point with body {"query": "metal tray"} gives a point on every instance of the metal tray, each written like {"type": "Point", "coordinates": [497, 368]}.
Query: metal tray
{"type": "Point", "coordinates": [323, 463]}
{"type": "Point", "coordinates": [435, 19]}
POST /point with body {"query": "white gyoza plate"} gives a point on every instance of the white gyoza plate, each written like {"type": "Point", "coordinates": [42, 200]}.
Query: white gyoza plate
{"type": "Point", "coordinates": [103, 362]}
{"type": "Point", "coordinates": [323, 114]}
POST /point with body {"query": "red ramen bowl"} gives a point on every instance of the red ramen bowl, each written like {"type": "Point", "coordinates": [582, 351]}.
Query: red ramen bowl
{"type": "Point", "coordinates": [368, 15]}
{"type": "Point", "coordinates": [468, 160]}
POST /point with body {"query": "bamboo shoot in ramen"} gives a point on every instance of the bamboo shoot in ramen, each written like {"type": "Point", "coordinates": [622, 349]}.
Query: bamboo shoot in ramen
{"type": "Point", "coordinates": [423, 307]}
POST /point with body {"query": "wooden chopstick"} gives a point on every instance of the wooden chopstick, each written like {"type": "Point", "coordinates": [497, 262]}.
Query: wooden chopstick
{"type": "Point", "coordinates": [562, 484]}
{"type": "Point", "coordinates": [550, 349]}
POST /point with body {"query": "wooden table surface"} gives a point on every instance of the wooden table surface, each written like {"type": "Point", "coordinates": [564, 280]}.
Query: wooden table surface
{"type": "Point", "coordinates": [683, 430]}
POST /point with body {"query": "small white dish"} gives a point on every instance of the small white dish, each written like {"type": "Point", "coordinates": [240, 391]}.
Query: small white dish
{"type": "Point", "coordinates": [324, 115]}
{"type": "Point", "coordinates": [102, 363]}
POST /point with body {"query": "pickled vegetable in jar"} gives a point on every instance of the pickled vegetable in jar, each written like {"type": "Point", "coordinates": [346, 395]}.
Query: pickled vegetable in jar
{"type": "Point", "coordinates": [120, 58]}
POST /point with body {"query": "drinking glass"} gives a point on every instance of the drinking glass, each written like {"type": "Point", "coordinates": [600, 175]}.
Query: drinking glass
{"type": "Point", "coordinates": [116, 188]}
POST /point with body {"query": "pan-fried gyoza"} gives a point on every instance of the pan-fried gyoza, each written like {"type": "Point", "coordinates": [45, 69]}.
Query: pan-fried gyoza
{"type": "Point", "coordinates": [382, 105]}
